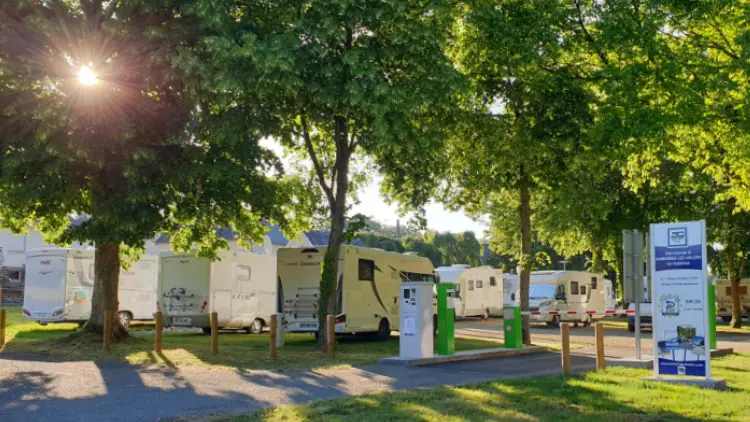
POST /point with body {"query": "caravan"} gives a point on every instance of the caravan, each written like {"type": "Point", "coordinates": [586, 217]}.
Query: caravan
{"type": "Point", "coordinates": [238, 286]}
{"type": "Point", "coordinates": [724, 298]}
{"type": "Point", "coordinates": [60, 283]}
{"type": "Point", "coordinates": [367, 288]}
{"type": "Point", "coordinates": [569, 293]}
{"type": "Point", "coordinates": [480, 289]}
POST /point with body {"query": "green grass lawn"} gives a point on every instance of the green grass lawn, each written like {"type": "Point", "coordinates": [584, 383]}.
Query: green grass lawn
{"type": "Point", "coordinates": [236, 349]}
{"type": "Point", "coordinates": [617, 394]}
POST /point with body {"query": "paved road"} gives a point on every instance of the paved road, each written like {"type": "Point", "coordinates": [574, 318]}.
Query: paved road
{"type": "Point", "coordinates": [91, 391]}
{"type": "Point", "coordinates": [613, 336]}
{"type": "Point", "coordinates": [88, 391]}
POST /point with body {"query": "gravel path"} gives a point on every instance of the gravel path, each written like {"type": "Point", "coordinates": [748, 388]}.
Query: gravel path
{"type": "Point", "coordinates": [93, 391]}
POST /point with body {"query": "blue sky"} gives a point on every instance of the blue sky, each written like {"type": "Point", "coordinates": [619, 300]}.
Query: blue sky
{"type": "Point", "coordinates": [372, 204]}
{"type": "Point", "coordinates": [438, 218]}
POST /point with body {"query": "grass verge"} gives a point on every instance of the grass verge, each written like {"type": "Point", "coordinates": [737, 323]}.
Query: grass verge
{"type": "Point", "coordinates": [617, 394]}
{"type": "Point", "coordinates": [237, 350]}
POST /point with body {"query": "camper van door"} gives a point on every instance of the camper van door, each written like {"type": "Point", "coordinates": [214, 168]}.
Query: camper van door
{"type": "Point", "coordinates": [79, 288]}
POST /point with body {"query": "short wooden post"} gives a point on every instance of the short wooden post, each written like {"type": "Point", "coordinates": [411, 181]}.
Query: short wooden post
{"type": "Point", "coordinates": [214, 332]}
{"type": "Point", "coordinates": [274, 327]}
{"type": "Point", "coordinates": [107, 329]}
{"type": "Point", "coordinates": [2, 327]}
{"type": "Point", "coordinates": [159, 333]}
{"type": "Point", "coordinates": [331, 335]}
{"type": "Point", "coordinates": [601, 363]}
{"type": "Point", "coordinates": [565, 340]}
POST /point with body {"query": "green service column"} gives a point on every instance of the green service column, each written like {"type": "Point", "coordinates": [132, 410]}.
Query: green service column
{"type": "Point", "coordinates": [711, 315]}
{"type": "Point", "coordinates": [446, 316]}
{"type": "Point", "coordinates": [513, 327]}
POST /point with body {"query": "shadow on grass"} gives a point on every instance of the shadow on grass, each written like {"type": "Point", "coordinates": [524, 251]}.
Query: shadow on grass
{"type": "Point", "coordinates": [550, 398]}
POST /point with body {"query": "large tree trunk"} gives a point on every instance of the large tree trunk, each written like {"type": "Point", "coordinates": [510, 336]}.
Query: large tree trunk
{"type": "Point", "coordinates": [733, 276]}
{"type": "Point", "coordinates": [328, 294]}
{"type": "Point", "coordinates": [620, 283]}
{"type": "Point", "coordinates": [598, 265]}
{"type": "Point", "coordinates": [526, 258]}
{"type": "Point", "coordinates": [106, 285]}
{"type": "Point", "coordinates": [736, 304]}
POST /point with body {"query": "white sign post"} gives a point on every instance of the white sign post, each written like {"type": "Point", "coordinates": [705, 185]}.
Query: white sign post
{"type": "Point", "coordinates": [679, 300]}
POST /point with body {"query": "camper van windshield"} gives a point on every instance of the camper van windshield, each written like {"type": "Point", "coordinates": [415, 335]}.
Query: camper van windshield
{"type": "Point", "coordinates": [542, 291]}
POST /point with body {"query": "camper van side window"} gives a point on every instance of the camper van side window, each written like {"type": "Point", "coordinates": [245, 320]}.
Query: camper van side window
{"type": "Point", "coordinates": [366, 270]}
{"type": "Point", "coordinates": [493, 282]}
{"type": "Point", "coordinates": [243, 273]}
{"type": "Point", "coordinates": [583, 290]}
{"type": "Point", "coordinates": [593, 283]}
{"type": "Point", "coordinates": [471, 284]}
{"type": "Point", "coordinates": [480, 284]}
{"type": "Point", "coordinates": [574, 287]}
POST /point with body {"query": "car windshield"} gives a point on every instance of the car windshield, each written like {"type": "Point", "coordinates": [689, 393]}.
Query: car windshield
{"type": "Point", "coordinates": [542, 291]}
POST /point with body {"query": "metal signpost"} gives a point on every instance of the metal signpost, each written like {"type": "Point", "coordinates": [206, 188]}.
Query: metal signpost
{"type": "Point", "coordinates": [632, 253]}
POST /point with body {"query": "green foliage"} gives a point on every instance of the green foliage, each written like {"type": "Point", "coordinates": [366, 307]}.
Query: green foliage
{"type": "Point", "coordinates": [134, 152]}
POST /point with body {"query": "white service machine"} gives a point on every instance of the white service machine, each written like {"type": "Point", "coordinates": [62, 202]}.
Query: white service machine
{"type": "Point", "coordinates": [416, 331]}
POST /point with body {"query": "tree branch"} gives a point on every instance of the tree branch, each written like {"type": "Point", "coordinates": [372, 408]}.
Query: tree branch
{"type": "Point", "coordinates": [587, 34]}
{"type": "Point", "coordinates": [316, 163]}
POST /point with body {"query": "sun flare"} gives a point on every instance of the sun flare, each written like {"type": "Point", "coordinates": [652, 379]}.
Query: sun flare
{"type": "Point", "coordinates": [87, 77]}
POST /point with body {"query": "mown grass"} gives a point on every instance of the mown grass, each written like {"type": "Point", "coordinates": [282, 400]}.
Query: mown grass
{"type": "Point", "coordinates": [237, 350]}
{"type": "Point", "coordinates": [617, 394]}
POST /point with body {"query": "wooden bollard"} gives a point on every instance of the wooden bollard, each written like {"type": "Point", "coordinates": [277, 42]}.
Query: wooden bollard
{"type": "Point", "coordinates": [107, 329]}
{"type": "Point", "coordinates": [274, 327]}
{"type": "Point", "coordinates": [159, 333]}
{"type": "Point", "coordinates": [2, 327]}
{"type": "Point", "coordinates": [565, 352]}
{"type": "Point", "coordinates": [214, 332]}
{"type": "Point", "coordinates": [331, 335]}
{"type": "Point", "coordinates": [600, 361]}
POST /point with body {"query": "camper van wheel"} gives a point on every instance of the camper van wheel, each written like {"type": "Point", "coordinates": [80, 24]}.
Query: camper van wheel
{"type": "Point", "coordinates": [256, 327]}
{"type": "Point", "coordinates": [124, 318]}
{"type": "Point", "coordinates": [555, 321]}
{"type": "Point", "coordinates": [587, 322]}
{"type": "Point", "coordinates": [206, 330]}
{"type": "Point", "coordinates": [384, 330]}
{"type": "Point", "coordinates": [726, 319]}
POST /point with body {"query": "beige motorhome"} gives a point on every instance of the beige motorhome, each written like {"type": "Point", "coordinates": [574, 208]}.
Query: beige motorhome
{"type": "Point", "coordinates": [479, 289]}
{"type": "Point", "coordinates": [238, 286]}
{"type": "Point", "coordinates": [567, 291]}
{"type": "Point", "coordinates": [724, 298]}
{"type": "Point", "coordinates": [367, 288]}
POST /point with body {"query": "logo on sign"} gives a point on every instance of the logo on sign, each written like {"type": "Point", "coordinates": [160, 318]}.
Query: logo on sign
{"type": "Point", "coordinates": [670, 306]}
{"type": "Point", "coordinates": [677, 237]}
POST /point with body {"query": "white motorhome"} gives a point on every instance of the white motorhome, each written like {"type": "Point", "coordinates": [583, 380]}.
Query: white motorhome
{"type": "Point", "coordinates": [60, 284]}
{"type": "Point", "coordinates": [367, 288]}
{"type": "Point", "coordinates": [724, 298]}
{"type": "Point", "coordinates": [480, 289]}
{"type": "Point", "coordinates": [610, 295]}
{"type": "Point", "coordinates": [566, 291]}
{"type": "Point", "coordinates": [511, 290]}
{"type": "Point", "coordinates": [239, 286]}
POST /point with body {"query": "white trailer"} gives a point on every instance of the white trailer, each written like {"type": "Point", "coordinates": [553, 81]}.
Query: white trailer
{"type": "Point", "coordinates": [724, 298]}
{"type": "Point", "coordinates": [480, 289]}
{"type": "Point", "coordinates": [511, 290]}
{"type": "Point", "coordinates": [60, 284]}
{"type": "Point", "coordinates": [367, 288]}
{"type": "Point", "coordinates": [239, 286]}
{"type": "Point", "coordinates": [564, 292]}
